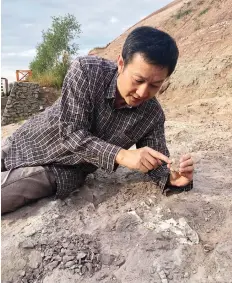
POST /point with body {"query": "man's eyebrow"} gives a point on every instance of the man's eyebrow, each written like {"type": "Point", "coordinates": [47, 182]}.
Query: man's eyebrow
{"type": "Point", "coordinates": [145, 79]}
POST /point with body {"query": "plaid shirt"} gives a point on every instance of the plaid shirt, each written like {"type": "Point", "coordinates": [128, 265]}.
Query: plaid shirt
{"type": "Point", "coordinates": [83, 130]}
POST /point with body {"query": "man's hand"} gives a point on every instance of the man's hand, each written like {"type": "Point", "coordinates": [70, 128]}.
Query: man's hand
{"type": "Point", "coordinates": [142, 159]}
{"type": "Point", "coordinates": [185, 174]}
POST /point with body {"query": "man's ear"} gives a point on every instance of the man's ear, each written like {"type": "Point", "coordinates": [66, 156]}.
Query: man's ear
{"type": "Point", "coordinates": [120, 64]}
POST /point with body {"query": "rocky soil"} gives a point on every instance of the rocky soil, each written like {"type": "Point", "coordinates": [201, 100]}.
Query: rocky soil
{"type": "Point", "coordinates": [119, 228]}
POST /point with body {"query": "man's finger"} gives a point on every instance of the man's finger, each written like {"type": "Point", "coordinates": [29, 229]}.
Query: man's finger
{"type": "Point", "coordinates": [153, 161]}
{"type": "Point", "coordinates": [143, 169]}
{"type": "Point", "coordinates": [185, 157]}
{"type": "Point", "coordinates": [158, 155]}
{"type": "Point", "coordinates": [187, 169]}
{"type": "Point", "coordinates": [186, 163]}
{"type": "Point", "coordinates": [147, 164]}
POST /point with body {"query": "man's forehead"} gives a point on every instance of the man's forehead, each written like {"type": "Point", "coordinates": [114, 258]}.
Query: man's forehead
{"type": "Point", "coordinates": [156, 80]}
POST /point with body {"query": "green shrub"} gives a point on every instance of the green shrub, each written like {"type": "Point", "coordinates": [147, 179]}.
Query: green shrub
{"type": "Point", "coordinates": [53, 55]}
{"type": "Point", "coordinates": [182, 14]}
{"type": "Point", "coordinates": [203, 12]}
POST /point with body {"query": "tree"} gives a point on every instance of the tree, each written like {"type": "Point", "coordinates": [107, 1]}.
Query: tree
{"type": "Point", "coordinates": [58, 44]}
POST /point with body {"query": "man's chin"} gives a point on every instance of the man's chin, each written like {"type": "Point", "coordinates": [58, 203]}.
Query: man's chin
{"type": "Point", "coordinates": [133, 102]}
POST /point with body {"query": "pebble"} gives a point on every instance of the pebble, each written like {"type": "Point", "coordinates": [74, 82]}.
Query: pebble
{"type": "Point", "coordinates": [208, 248]}
{"type": "Point", "coordinates": [22, 273]}
{"type": "Point", "coordinates": [69, 264]}
{"type": "Point", "coordinates": [57, 258]}
{"type": "Point", "coordinates": [28, 245]}
{"type": "Point", "coordinates": [102, 277]}
{"type": "Point", "coordinates": [107, 259]}
{"type": "Point", "coordinates": [186, 275]}
{"type": "Point", "coordinates": [52, 265]}
{"type": "Point", "coordinates": [34, 259]}
{"type": "Point", "coordinates": [162, 274]}
{"type": "Point", "coordinates": [120, 262]}
{"type": "Point", "coordinates": [65, 245]}
{"type": "Point", "coordinates": [71, 246]}
{"type": "Point", "coordinates": [83, 269]}
{"type": "Point", "coordinates": [67, 258]}
{"type": "Point", "coordinates": [90, 267]}
{"type": "Point", "coordinates": [81, 255]}
{"type": "Point", "coordinates": [70, 252]}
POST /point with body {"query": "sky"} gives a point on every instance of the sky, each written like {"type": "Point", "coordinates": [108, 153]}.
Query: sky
{"type": "Point", "coordinates": [101, 22]}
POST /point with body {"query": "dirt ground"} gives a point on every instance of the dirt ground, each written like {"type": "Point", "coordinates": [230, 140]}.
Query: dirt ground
{"type": "Point", "coordinates": [180, 238]}
{"type": "Point", "coordinates": [119, 228]}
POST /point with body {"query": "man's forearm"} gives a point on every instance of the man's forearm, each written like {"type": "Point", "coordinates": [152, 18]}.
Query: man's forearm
{"type": "Point", "coordinates": [92, 149]}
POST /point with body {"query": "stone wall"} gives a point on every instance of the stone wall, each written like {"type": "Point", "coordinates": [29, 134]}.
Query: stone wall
{"type": "Point", "coordinates": [25, 100]}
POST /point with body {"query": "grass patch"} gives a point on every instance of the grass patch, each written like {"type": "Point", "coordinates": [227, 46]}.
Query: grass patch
{"type": "Point", "coordinates": [182, 14]}
{"type": "Point", "coordinates": [47, 79]}
{"type": "Point", "coordinates": [203, 12]}
{"type": "Point", "coordinates": [51, 78]}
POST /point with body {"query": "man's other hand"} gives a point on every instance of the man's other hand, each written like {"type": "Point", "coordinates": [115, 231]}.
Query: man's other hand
{"type": "Point", "coordinates": [185, 174]}
{"type": "Point", "coordinates": [142, 159]}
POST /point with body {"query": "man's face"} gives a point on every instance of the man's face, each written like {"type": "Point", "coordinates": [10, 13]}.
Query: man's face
{"type": "Point", "coordinates": [139, 81]}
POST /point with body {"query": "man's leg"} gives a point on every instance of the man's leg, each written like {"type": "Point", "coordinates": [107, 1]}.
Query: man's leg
{"type": "Point", "coordinates": [24, 185]}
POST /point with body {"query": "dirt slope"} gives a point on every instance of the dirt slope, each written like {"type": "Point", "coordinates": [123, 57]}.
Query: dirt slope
{"type": "Point", "coordinates": [121, 223]}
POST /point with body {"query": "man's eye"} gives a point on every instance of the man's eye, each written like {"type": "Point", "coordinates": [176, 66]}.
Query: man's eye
{"type": "Point", "coordinates": [154, 86]}
{"type": "Point", "coordinates": [139, 81]}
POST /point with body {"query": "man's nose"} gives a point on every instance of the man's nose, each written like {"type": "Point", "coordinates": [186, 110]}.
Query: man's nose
{"type": "Point", "coordinates": [143, 91]}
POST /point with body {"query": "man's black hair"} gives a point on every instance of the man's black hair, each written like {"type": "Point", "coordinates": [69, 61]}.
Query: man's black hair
{"type": "Point", "coordinates": [157, 47]}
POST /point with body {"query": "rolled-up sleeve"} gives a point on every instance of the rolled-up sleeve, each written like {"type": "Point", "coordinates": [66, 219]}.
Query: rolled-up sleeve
{"type": "Point", "coordinates": [75, 121]}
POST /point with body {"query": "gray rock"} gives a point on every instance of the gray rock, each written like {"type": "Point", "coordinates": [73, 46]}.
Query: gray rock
{"type": "Point", "coordinates": [58, 258]}
{"type": "Point", "coordinates": [119, 262]}
{"type": "Point", "coordinates": [67, 258]}
{"type": "Point", "coordinates": [81, 255]}
{"type": "Point", "coordinates": [71, 252]}
{"type": "Point", "coordinates": [208, 248]}
{"type": "Point", "coordinates": [35, 259]}
{"type": "Point", "coordinates": [107, 259]}
{"type": "Point", "coordinates": [22, 273]}
{"type": "Point", "coordinates": [186, 275]}
{"type": "Point", "coordinates": [28, 244]}
{"type": "Point", "coordinates": [62, 251]}
{"type": "Point", "coordinates": [71, 246]}
{"type": "Point", "coordinates": [126, 222]}
{"type": "Point", "coordinates": [65, 245]}
{"type": "Point", "coordinates": [69, 264]}
{"type": "Point", "coordinates": [52, 265]}
{"type": "Point", "coordinates": [83, 269]}
{"type": "Point", "coordinates": [89, 267]}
